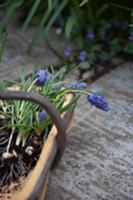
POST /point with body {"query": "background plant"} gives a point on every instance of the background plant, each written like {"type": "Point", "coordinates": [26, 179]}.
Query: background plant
{"type": "Point", "coordinates": [74, 18]}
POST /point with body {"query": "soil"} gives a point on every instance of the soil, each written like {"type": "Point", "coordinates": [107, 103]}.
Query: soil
{"type": "Point", "coordinates": [7, 191]}
{"type": "Point", "coordinates": [17, 162]}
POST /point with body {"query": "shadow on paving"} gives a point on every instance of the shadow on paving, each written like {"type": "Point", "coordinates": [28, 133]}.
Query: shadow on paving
{"type": "Point", "coordinates": [98, 161]}
{"type": "Point", "coordinates": [15, 55]}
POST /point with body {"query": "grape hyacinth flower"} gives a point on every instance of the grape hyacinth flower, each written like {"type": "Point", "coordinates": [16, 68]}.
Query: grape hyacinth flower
{"type": "Point", "coordinates": [103, 33]}
{"type": "Point", "coordinates": [68, 52]}
{"type": "Point", "coordinates": [130, 36]}
{"type": "Point", "coordinates": [57, 87]}
{"type": "Point", "coordinates": [42, 115]}
{"type": "Point", "coordinates": [98, 101]}
{"type": "Point", "coordinates": [42, 76]}
{"type": "Point", "coordinates": [90, 34]}
{"type": "Point", "coordinates": [82, 55]}
{"type": "Point", "coordinates": [78, 85]}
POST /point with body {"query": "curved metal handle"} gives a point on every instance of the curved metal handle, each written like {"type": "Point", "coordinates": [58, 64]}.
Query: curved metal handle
{"type": "Point", "coordinates": [53, 113]}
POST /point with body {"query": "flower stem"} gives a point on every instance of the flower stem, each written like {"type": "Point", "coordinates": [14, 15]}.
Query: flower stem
{"type": "Point", "coordinates": [29, 89]}
{"type": "Point", "coordinates": [78, 91]}
{"type": "Point", "coordinates": [12, 132]}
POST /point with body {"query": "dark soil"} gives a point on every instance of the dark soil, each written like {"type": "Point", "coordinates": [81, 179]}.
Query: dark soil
{"type": "Point", "coordinates": [18, 160]}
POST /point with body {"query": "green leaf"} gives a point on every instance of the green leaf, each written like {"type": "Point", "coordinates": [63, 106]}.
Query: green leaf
{"type": "Point", "coordinates": [79, 42]}
{"type": "Point", "coordinates": [122, 7]}
{"type": "Point", "coordinates": [129, 48]}
{"type": "Point", "coordinates": [91, 57]}
{"type": "Point", "coordinates": [44, 19]}
{"type": "Point", "coordinates": [104, 56]}
{"type": "Point", "coordinates": [50, 4]}
{"type": "Point", "coordinates": [69, 25]}
{"type": "Point", "coordinates": [10, 10]}
{"type": "Point", "coordinates": [70, 105]}
{"type": "Point", "coordinates": [84, 65]}
{"type": "Point", "coordinates": [96, 47]}
{"type": "Point", "coordinates": [101, 10]}
{"type": "Point", "coordinates": [83, 2]}
{"type": "Point", "coordinates": [115, 46]}
{"type": "Point", "coordinates": [2, 43]}
{"type": "Point", "coordinates": [30, 15]}
{"type": "Point", "coordinates": [56, 13]}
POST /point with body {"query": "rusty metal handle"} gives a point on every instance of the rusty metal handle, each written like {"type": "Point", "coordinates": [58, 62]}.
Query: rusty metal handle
{"type": "Point", "coordinates": [53, 113]}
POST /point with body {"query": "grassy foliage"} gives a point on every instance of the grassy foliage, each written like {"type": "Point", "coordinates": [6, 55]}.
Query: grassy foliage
{"type": "Point", "coordinates": [68, 15]}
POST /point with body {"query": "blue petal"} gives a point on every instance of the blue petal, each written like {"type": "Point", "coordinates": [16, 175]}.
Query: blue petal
{"type": "Point", "coordinates": [42, 115]}
{"type": "Point", "coordinates": [42, 76]}
{"type": "Point", "coordinates": [99, 102]}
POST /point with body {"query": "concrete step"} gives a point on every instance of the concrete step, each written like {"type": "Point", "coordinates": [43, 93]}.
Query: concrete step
{"type": "Point", "coordinates": [15, 55]}
{"type": "Point", "coordinates": [98, 161]}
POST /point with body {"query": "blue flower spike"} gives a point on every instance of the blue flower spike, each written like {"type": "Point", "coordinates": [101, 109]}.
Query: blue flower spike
{"type": "Point", "coordinates": [78, 85]}
{"type": "Point", "coordinates": [42, 76]}
{"type": "Point", "coordinates": [42, 115]}
{"type": "Point", "coordinates": [90, 34]}
{"type": "Point", "coordinates": [68, 52]}
{"type": "Point", "coordinates": [98, 101]}
{"type": "Point", "coordinates": [82, 55]}
{"type": "Point", "coordinates": [130, 36]}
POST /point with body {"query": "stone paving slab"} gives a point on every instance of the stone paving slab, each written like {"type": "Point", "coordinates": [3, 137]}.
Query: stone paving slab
{"type": "Point", "coordinates": [98, 161]}
{"type": "Point", "coordinates": [15, 56]}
